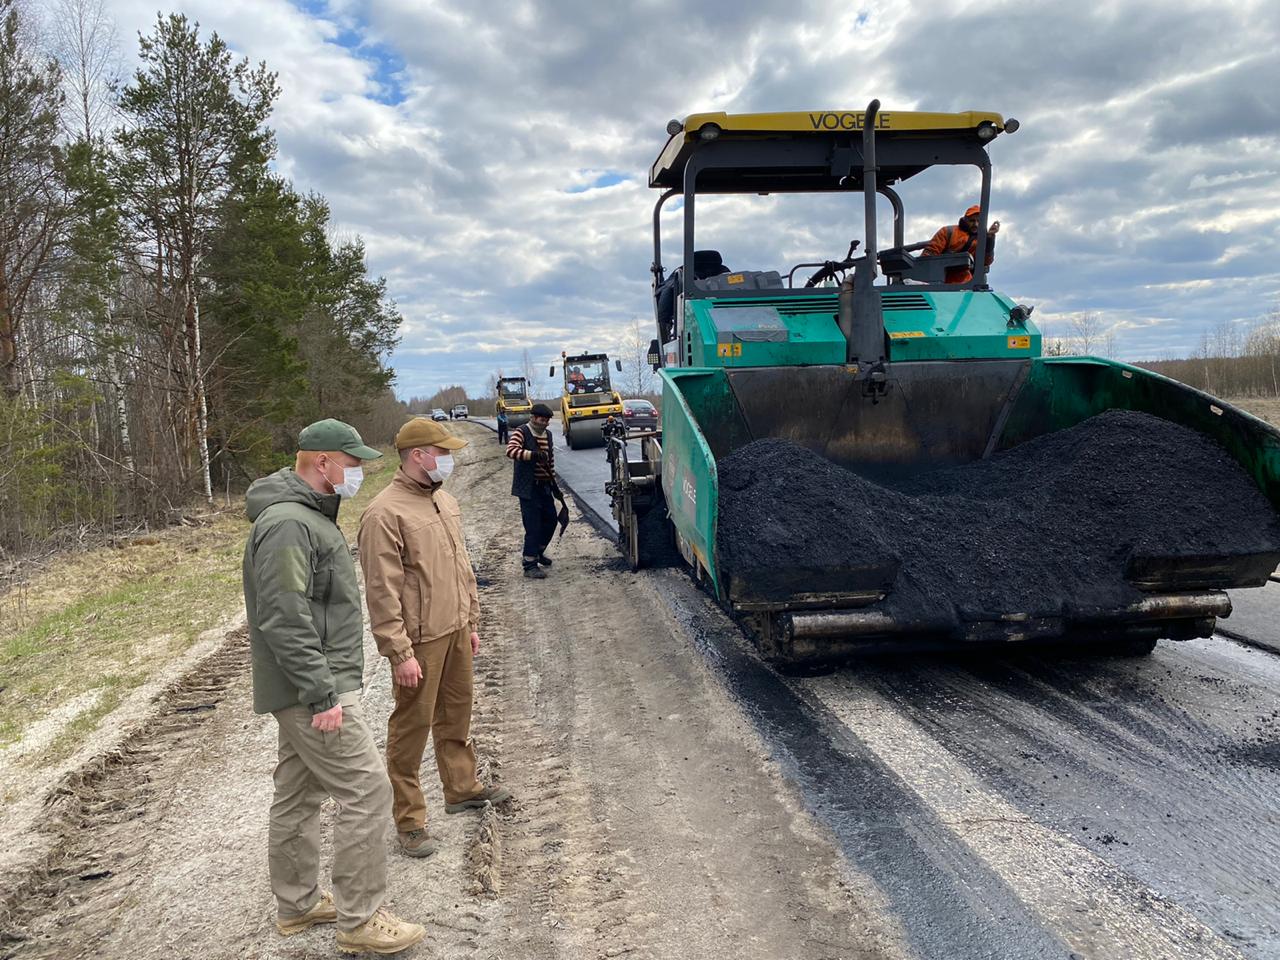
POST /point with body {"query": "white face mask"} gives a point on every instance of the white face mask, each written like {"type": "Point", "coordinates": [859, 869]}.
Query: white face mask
{"type": "Point", "coordinates": [352, 477]}
{"type": "Point", "coordinates": [444, 467]}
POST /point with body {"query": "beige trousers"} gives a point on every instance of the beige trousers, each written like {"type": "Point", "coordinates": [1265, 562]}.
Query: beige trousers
{"type": "Point", "coordinates": [344, 765]}
{"type": "Point", "coordinates": [438, 707]}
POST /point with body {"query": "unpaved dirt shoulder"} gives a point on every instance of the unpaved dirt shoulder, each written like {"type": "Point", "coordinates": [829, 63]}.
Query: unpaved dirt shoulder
{"type": "Point", "coordinates": [648, 820]}
{"type": "Point", "coordinates": [38, 792]}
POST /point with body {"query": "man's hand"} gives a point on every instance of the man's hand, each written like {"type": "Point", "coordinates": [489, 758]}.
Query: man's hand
{"type": "Point", "coordinates": [475, 643]}
{"type": "Point", "coordinates": [407, 674]}
{"type": "Point", "coordinates": [327, 721]}
{"type": "Point", "coordinates": [993, 229]}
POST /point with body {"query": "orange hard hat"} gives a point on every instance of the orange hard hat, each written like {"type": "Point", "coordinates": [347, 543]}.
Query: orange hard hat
{"type": "Point", "coordinates": [973, 211]}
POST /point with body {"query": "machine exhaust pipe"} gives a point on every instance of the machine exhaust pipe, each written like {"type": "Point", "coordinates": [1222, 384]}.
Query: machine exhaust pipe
{"type": "Point", "coordinates": [860, 318]}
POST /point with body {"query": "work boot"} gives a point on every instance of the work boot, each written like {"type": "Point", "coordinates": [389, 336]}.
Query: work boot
{"type": "Point", "coordinates": [534, 572]}
{"type": "Point", "coordinates": [416, 843]}
{"type": "Point", "coordinates": [384, 932]}
{"type": "Point", "coordinates": [493, 795]}
{"type": "Point", "coordinates": [322, 911]}
{"type": "Point", "coordinates": [544, 560]}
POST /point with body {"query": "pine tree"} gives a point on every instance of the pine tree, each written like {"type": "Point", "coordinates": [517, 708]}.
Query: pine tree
{"type": "Point", "coordinates": [195, 120]}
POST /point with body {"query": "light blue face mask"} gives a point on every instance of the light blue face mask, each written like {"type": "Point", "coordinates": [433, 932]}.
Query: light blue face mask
{"type": "Point", "coordinates": [444, 467]}
{"type": "Point", "coordinates": [352, 477]}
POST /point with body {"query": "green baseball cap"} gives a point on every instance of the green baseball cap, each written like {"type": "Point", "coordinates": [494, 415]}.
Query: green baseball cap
{"type": "Point", "coordinates": [335, 435]}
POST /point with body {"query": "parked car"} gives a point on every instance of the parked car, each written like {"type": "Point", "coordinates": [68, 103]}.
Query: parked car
{"type": "Point", "coordinates": [639, 415]}
{"type": "Point", "coordinates": [460, 412]}
{"type": "Point", "coordinates": [438, 414]}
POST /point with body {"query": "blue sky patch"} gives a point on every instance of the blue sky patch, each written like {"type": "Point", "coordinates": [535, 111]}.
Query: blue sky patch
{"type": "Point", "coordinates": [388, 65]}
{"type": "Point", "coordinates": [607, 178]}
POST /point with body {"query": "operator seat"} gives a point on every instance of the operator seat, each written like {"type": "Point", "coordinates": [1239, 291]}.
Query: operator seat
{"type": "Point", "coordinates": [706, 264]}
{"type": "Point", "coordinates": [900, 265]}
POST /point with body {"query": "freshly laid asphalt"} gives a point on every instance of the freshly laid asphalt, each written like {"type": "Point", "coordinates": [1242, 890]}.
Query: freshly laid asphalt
{"type": "Point", "coordinates": [585, 473]}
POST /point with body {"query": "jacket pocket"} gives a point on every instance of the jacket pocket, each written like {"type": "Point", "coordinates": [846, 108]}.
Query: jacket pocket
{"type": "Point", "coordinates": [411, 605]}
{"type": "Point", "coordinates": [321, 582]}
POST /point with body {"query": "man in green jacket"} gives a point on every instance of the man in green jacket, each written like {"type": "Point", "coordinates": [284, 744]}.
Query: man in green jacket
{"type": "Point", "coordinates": [306, 635]}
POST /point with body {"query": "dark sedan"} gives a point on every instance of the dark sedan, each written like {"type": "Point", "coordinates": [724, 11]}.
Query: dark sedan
{"type": "Point", "coordinates": [639, 415]}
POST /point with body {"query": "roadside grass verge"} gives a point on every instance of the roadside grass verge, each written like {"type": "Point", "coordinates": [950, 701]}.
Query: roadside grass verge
{"type": "Point", "coordinates": [1264, 408]}
{"type": "Point", "coordinates": [102, 622]}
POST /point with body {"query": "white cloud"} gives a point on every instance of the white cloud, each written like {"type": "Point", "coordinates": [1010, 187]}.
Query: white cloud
{"type": "Point", "coordinates": [1142, 185]}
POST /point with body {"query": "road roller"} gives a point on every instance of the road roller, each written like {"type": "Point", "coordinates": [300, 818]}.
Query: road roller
{"type": "Point", "coordinates": [588, 399]}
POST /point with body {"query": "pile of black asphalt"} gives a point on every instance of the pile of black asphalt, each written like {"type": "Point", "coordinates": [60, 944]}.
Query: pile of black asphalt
{"type": "Point", "coordinates": [1046, 528]}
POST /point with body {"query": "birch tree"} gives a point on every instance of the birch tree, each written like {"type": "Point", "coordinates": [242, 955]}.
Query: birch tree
{"type": "Point", "coordinates": [32, 201]}
{"type": "Point", "coordinates": [194, 118]}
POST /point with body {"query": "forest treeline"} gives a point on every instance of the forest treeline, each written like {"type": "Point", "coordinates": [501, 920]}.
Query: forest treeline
{"type": "Point", "coordinates": [172, 310]}
{"type": "Point", "coordinates": [1232, 360]}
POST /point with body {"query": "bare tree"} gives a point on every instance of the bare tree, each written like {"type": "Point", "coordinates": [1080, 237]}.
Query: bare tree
{"type": "Point", "coordinates": [32, 196]}
{"type": "Point", "coordinates": [1086, 333]}
{"type": "Point", "coordinates": [1052, 345]}
{"type": "Point", "coordinates": [528, 369]}
{"type": "Point", "coordinates": [637, 378]}
{"type": "Point", "coordinates": [86, 45]}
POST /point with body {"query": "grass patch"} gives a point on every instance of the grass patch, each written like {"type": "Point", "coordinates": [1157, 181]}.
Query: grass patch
{"type": "Point", "coordinates": [108, 619]}
{"type": "Point", "coordinates": [1264, 408]}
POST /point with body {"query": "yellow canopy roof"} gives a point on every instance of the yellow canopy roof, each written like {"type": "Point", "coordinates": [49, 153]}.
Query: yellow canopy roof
{"type": "Point", "coordinates": [913, 131]}
{"type": "Point", "coordinates": [834, 121]}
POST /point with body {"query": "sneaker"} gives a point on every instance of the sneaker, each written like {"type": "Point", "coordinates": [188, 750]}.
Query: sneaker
{"type": "Point", "coordinates": [416, 843]}
{"type": "Point", "coordinates": [544, 560]}
{"type": "Point", "coordinates": [322, 911]}
{"type": "Point", "coordinates": [535, 572]}
{"type": "Point", "coordinates": [489, 795]}
{"type": "Point", "coordinates": [384, 932]}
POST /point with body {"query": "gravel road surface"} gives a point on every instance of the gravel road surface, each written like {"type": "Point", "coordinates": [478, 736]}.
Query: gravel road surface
{"type": "Point", "coordinates": [677, 798]}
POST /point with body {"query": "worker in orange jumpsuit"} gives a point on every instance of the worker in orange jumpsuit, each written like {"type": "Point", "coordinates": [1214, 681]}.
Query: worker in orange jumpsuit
{"type": "Point", "coordinates": [962, 238]}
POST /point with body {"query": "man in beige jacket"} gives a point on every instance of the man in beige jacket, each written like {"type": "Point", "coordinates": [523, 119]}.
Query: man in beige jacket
{"type": "Point", "coordinates": [425, 612]}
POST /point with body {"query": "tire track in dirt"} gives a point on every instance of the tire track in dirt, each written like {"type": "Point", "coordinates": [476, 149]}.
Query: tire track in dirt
{"type": "Point", "coordinates": [647, 820]}
{"type": "Point", "coordinates": [94, 816]}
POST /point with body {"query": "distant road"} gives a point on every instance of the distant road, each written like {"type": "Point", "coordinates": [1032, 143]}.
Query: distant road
{"type": "Point", "coordinates": [585, 472]}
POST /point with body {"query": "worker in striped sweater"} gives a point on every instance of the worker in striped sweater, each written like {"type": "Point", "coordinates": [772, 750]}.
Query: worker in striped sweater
{"type": "Point", "coordinates": [532, 481]}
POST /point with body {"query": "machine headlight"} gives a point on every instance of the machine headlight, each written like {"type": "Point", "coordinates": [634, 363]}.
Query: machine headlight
{"type": "Point", "coordinates": [674, 127]}
{"type": "Point", "coordinates": [986, 130]}
{"type": "Point", "coordinates": [708, 131]}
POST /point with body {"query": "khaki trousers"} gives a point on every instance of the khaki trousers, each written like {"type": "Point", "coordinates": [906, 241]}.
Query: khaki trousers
{"type": "Point", "coordinates": [344, 765]}
{"type": "Point", "coordinates": [439, 707]}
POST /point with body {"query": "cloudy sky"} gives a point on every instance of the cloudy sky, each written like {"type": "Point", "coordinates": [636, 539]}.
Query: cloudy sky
{"type": "Point", "coordinates": [493, 153]}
